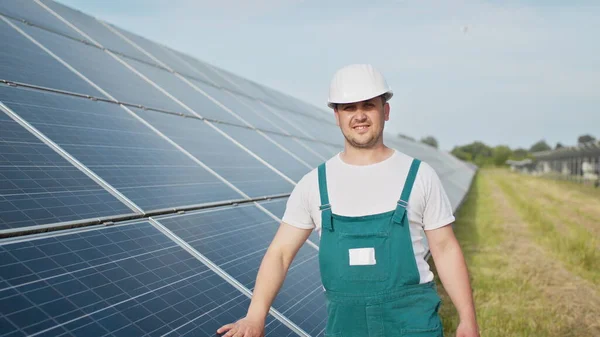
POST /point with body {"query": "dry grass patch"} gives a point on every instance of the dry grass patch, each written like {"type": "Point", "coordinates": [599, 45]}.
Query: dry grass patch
{"type": "Point", "coordinates": [519, 287]}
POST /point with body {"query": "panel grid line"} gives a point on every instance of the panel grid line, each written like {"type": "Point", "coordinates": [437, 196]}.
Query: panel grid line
{"type": "Point", "coordinates": [224, 275]}
{"type": "Point", "coordinates": [150, 108]}
{"type": "Point", "coordinates": [70, 158]}
{"type": "Point", "coordinates": [134, 115]}
{"type": "Point", "coordinates": [193, 86]}
{"type": "Point", "coordinates": [92, 44]}
{"type": "Point", "coordinates": [180, 103]}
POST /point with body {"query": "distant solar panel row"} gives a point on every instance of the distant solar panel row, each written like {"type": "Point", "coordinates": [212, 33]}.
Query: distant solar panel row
{"type": "Point", "coordinates": [187, 136]}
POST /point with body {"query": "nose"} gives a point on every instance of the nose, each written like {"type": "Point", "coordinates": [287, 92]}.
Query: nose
{"type": "Point", "coordinates": [360, 116]}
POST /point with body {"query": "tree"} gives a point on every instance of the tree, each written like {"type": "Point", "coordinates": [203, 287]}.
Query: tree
{"type": "Point", "coordinates": [520, 154]}
{"type": "Point", "coordinates": [501, 153]}
{"type": "Point", "coordinates": [585, 138]}
{"type": "Point", "coordinates": [431, 141]}
{"type": "Point", "coordinates": [540, 146]}
{"type": "Point", "coordinates": [476, 152]}
{"type": "Point", "coordinates": [462, 155]}
{"type": "Point", "coordinates": [558, 146]}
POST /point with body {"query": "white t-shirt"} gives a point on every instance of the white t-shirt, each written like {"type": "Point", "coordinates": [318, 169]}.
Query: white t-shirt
{"type": "Point", "coordinates": [358, 190]}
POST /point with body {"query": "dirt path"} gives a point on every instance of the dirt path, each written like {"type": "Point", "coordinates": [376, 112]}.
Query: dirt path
{"type": "Point", "coordinates": [574, 206]}
{"type": "Point", "coordinates": [573, 298]}
{"type": "Point", "coordinates": [523, 284]}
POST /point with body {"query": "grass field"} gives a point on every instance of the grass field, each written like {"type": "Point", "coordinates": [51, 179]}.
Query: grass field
{"type": "Point", "coordinates": [532, 246]}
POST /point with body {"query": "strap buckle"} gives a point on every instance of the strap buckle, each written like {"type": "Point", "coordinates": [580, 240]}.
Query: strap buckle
{"type": "Point", "coordinates": [324, 207]}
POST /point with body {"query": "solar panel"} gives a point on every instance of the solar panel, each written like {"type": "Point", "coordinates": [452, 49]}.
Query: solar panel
{"type": "Point", "coordinates": [206, 71]}
{"type": "Point", "coordinates": [117, 281]}
{"type": "Point", "coordinates": [156, 50]}
{"type": "Point", "coordinates": [185, 271]}
{"type": "Point", "coordinates": [242, 84]}
{"type": "Point", "coordinates": [95, 29]}
{"type": "Point", "coordinates": [33, 13]}
{"type": "Point", "coordinates": [277, 207]}
{"type": "Point", "coordinates": [103, 70]}
{"type": "Point", "coordinates": [23, 61]}
{"type": "Point", "coordinates": [250, 110]}
{"type": "Point", "coordinates": [236, 112]}
{"type": "Point", "coordinates": [186, 93]}
{"type": "Point", "coordinates": [227, 159]}
{"type": "Point", "coordinates": [300, 149]}
{"type": "Point", "coordinates": [128, 155]}
{"type": "Point", "coordinates": [317, 129]}
{"type": "Point", "coordinates": [236, 239]}
{"type": "Point", "coordinates": [282, 159]}
{"type": "Point", "coordinates": [39, 187]}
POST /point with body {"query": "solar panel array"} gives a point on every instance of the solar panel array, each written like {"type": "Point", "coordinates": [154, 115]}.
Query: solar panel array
{"type": "Point", "coordinates": [140, 187]}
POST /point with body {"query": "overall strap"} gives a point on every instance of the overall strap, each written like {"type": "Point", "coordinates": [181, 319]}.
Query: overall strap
{"type": "Point", "coordinates": [408, 185]}
{"type": "Point", "coordinates": [326, 215]}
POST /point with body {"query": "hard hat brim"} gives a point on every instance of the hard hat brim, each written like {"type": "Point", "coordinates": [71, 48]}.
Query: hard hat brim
{"type": "Point", "coordinates": [387, 95]}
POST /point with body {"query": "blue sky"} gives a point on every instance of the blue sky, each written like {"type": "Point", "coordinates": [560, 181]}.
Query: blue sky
{"type": "Point", "coordinates": [501, 72]}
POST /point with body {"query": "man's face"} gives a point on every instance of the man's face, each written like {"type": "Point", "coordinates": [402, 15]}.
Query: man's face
{"type": "Point", "coordinates": [362, 122]}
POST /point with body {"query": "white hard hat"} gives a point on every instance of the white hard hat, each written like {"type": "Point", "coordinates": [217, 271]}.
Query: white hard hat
{"type": "Point", "coordinates": [355, 83]}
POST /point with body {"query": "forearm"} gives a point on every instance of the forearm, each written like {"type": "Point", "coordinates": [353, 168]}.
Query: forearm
{"type": "Point", "coordinates": [453, 273]}
{"type": "Point", "coordinates": [271, 275]}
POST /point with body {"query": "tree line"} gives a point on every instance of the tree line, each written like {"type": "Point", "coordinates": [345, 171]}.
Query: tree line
{"type": "Point", "coordinates": [482, 154]}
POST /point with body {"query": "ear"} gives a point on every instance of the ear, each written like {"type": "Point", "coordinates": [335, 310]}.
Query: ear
{"type": "Point", "coordinates": [386, 111]}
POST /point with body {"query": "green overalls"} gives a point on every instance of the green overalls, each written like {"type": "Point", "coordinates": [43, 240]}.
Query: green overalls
{"type": "Point", "coordinates": [370, 275]}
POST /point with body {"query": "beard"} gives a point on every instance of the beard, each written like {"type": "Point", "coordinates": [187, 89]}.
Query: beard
{"type": "Point", "coordinates": [365, 142]}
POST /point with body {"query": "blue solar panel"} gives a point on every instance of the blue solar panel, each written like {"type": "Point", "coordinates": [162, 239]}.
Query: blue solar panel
{"type": "Point", "coordinates": [270, 152]}
{"type": "Point", "coordinates": [131, 279]}
{"type": "Point", "coordinates": [220, 154]}
{"type": "Point", "coordinates": [96, 31]}
{"type": "Point", "coordinates": [39, 187]}
{"type": "Point", "coordinates": [295, 146]}
{"type": "Point", "coordinates": [114, 281]}
{"type": "Point", "coordinates": [323, 149]}
{"type": "Point", "coordinates": [125, 153]}
{"type": "Point", "coordinates": [277, 207]}
{"type": "Point", "coordinates": [34, 13]}
{"type": "Point", "coordinates": [22, 61]}
{"type": "Point", "coordinates": [249, 110]}
{"type": "Point", "coordinates": [318, 129]}
{"type": "Point", "coordinates": [236, 239]}
{"type": "Point", "coordinates": [185, 93]}
{"type": "Point", "coordinates": [103, 70]}
{"type": "Point", "coordinates": [198, 69]}
{"type": "Point", "coordinates": [241, 84]}
{"type": "Point", "coordinates": [158, 51]}
{"type": "Point", "coordinates": [322, 129]}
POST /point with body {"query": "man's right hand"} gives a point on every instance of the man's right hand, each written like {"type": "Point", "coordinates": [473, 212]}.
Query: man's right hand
{"type": "Point", "coordinates": [271, 274]}
{"type": "Point", "coordinates": [245, 327]}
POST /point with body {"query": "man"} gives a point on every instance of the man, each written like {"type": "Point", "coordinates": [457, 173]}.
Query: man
{"type": "Point", "coordinates": [370, 204]}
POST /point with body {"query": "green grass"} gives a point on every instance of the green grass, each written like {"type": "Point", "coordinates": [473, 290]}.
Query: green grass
{"type": "Point", "coordinates": [569, 241]}
{"type": "Point", "coordinates": [509, 295]}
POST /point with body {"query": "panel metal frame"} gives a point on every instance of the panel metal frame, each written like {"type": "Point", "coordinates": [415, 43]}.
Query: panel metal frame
{"type": "Point", "coordinates": [283, 319]}
{"type": "Point", "coordinates": [158, 87]}
{"type": "Point", "coordinates": [77, 164]}
{"type": "Point", "coordinates": [215, 101]}
{"type": "Point", "coordinates": [219, 177]}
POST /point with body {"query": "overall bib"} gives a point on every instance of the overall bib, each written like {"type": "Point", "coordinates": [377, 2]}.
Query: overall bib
{"type": "Point", "coordinates": [370, 275]}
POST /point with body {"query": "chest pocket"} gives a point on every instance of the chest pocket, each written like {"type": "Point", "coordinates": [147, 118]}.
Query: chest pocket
{"type": "Point", "coordinates": [363, 248]}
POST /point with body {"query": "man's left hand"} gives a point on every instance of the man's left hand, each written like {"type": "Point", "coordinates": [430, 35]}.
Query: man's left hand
{"type": "Point", "coordinates": [467, 329]}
